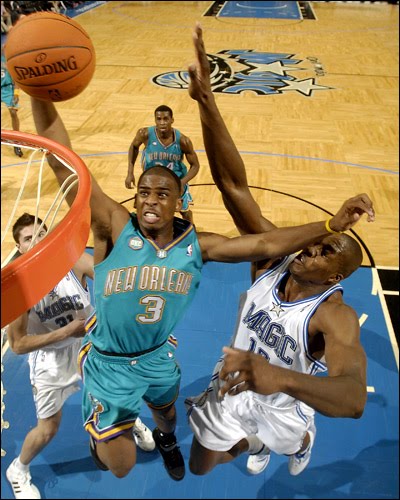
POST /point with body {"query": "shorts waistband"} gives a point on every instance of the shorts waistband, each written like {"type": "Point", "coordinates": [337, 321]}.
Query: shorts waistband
{"type": "Point", "coordinates": [128, 355]}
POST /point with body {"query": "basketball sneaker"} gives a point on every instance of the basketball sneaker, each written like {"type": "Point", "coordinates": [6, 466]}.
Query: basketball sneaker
{"type": "Point", "coordinates": [21, 482]}
{"type": "Point", "coordinates": [299, 461]}
{"type": "Point", "coordinates": [18, 151]}
{"type": "Point", "coordinates": [170, 452]}
{"type": "Point", "coordinates": [258, 462]}
{"type": "Point", "coordinates": [143, 436]}
{"type": "Point", "coordinates": [93, 452]}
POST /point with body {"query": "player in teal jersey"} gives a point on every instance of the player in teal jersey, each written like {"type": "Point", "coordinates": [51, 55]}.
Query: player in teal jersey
{"type": "Point", "coordinates": [165, 145]}
{"type": "Point", "coordinates": [147, 270]}
{"type": "Point", "coordinates": [10, 97]}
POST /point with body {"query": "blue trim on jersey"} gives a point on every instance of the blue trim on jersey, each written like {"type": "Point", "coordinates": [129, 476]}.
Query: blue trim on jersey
{"type": "Point", "coordinates": [269, 271]}
{"type": "Point", "coordinates": [300, 413]}
{"type": "Point", "coordinates": [34, 359]}
{"type": "Point", "coordinates": [306, 300]}
{"type": "Point", "coordinates": [79, 283]}
{"type": "Point", "coordinates": [321, 366]}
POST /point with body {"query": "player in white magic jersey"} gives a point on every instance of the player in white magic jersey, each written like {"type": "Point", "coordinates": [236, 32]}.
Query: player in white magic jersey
{"type": "Point", "coordinates": [51, 333]}
{"type": "Point", "coordinates": [292, 323]}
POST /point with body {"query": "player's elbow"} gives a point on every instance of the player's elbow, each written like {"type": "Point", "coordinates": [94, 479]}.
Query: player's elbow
{"type": "Point", "coordinates": [359, 407]}
{"type": "Point", "coordinates": [16, 347]}
{"type": "Point", "coordinates": [357, 403]}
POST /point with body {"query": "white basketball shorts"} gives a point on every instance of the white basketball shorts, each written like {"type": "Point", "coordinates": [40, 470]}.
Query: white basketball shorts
{"type": "Point", "coordinates": [218, 424]}
{"type": "Point", "coordinates": [54, 377]}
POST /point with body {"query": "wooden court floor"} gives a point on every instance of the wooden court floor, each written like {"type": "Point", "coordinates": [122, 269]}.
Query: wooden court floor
{"type": "Point", "coordinates": [331, 134]}
{"type": "Point", "coordinates": [313, 151]}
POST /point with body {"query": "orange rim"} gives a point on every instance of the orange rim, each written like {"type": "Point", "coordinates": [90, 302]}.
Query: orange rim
{"type": "Point", "coordinates": [27, 279]}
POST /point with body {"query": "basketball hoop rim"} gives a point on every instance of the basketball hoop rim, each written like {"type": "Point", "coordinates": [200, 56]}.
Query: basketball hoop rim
{"type": "Point", "coordinates": [27, 279]}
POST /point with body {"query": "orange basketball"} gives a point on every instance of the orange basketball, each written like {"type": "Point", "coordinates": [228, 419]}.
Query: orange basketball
{"type": "Point", "coordinates": [50, 56]}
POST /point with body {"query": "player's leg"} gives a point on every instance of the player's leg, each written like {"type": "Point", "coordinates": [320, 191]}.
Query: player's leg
{"type": "Point", "coordinates": [14, 118]}
{"type": "Point", "coordinates": [166, 442]}
{"type": "Point", "coordinates": [109, 413]}
{"type": "Point", "coordinates": [39, 437]}
{"type": "Point", "coordinates": [18, 473]}
{"type": "Point", "coordinates": [118, 454]}
{"type": "Point", "coordinates": [202, 460]}
{"type": "Point", "coordinates": [7, 96]}
{"type": "Point", "coordinates": [161, 396]}
{"type": "Point", "coordinates": [187, 200]}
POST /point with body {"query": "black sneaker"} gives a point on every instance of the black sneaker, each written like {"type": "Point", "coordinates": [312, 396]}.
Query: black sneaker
{"type": "Point", "coordinates": [93, 452]}
{"type": "Point", "coordinates": [18, 152]}
{"type": "Point", "coordinates": [170, 452]}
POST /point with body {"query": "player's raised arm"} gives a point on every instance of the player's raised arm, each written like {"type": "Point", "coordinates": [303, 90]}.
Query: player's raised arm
{"type": "Point", "coordinates": [106, 212]}
{"type": "Point", "coordinates": [227, 167]}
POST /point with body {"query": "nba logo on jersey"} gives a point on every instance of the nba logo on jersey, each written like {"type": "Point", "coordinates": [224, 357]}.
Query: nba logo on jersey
{"type": "Point", "coordinates": [136, 243]}
{"type": "Point", "coordinates": [189, 250]}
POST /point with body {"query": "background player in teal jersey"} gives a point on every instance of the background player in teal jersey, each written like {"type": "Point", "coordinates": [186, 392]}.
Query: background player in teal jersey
{"type": "Point", "coordinates": [165, 145]}
{"type": "Point", "coordinates": [147, 270]}
{"type": "Point", "coordinates": [10, 97]}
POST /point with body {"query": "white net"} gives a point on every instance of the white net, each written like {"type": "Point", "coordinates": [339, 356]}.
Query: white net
{"type": "Point", "coordinates": [38, 193]}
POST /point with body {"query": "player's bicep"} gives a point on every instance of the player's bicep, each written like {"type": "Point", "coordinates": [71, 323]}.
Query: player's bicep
{"type": "Point", "coordinates": [344, 354]}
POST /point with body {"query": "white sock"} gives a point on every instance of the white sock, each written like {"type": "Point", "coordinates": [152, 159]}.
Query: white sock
{"type": "Point", "coordinates": [255, 445]}
{"type": "Point", "coordinates": [20, 466]}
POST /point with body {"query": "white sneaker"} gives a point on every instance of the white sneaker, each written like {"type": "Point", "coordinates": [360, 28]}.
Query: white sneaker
{"type": "Point", "coordinates": [258, 462]}
{"type": "Point", "coordinates": [143, 436]}
{"type": "Point", "coordinates": [21, 483]}
{"type": "Point", "coordinates": [299, 461]}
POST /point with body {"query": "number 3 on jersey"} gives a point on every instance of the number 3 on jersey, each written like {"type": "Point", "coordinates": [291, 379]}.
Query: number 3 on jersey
{"type": "Point", "coordinates": [154, 309]}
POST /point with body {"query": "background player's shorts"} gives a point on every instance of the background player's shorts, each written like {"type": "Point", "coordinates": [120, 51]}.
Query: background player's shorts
{"type": "Point", "coordinates": [187, 199]}
{"type": "Point", "coordinates": [7, 96]}
{"type": "Point", "coordinates": [54, 377]}
{"type": "Point", "coordinates": [114, 386]}
{"type": "Point", "coordinates": [219, 424]}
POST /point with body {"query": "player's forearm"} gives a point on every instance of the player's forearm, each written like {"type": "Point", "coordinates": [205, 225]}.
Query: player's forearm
{"type": "Point", "coordinates": [227, 167]}
{"type": "Point", "coordinates": [132, 155]}
{"type": "Point", "coordinates": [30, 343]}
{"type": "Point", "coordinates": [193, 171]}
{"type": "Point", "coordinates": [273, 244]}
{"type": "Point", "coordinates": [340, 396]}
{"type": "Point", "coordinates": [49, 124]}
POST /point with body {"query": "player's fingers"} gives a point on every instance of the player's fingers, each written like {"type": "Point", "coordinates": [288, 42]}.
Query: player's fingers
{"type": "Point", "coordinates": [234, 361]}
{"type": "Point", "coordinates": [237, 389]}
{"type": "Point", "coordinates": [230, 384]}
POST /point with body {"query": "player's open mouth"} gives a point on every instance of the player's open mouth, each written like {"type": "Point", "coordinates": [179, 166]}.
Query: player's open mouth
{"type": "Point", "coordinates": [150, 217]}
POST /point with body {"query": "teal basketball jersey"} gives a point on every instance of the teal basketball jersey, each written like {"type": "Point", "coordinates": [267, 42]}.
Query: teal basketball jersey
{"type": "Point", "coordinates": [155, 153]}
{"type": "Point", "coordinates": [142, 291]}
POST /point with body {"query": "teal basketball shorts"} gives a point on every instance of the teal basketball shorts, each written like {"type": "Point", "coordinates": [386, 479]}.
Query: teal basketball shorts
{"type": "Point", "coordinates": [187, 199]}
{"type": "Point", "coordinates": [114, 386]}
{"type": "Point", "coordinates": [7, 96]}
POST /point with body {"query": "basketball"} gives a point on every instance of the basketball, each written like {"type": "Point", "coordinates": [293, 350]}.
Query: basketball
{"type": "Point", "coordinates": [50, 56]}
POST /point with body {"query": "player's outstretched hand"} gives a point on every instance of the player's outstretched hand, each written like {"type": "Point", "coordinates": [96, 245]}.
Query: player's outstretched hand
{"type": "Point", "coordinates": [351, 211]}
{"type": "Point", "coordinates": [199, 71]}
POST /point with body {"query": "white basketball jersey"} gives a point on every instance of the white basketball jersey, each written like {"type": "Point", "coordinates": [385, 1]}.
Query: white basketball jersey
{"type": "Point", "coordinates": [65, 302]}
{"type": "Point", "coordinates": [276, 329]}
